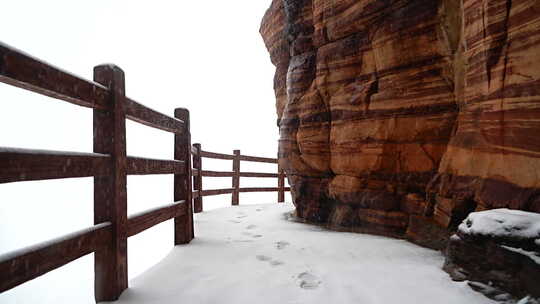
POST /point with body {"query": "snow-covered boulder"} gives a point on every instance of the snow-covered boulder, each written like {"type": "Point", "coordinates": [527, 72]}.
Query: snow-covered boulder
{"type": "Point", "coordinates": [515, 228]}
{"type": "Point", "coordinates": [499, 248]}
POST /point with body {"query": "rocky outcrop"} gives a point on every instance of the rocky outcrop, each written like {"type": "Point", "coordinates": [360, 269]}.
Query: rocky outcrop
{"type": "Point", "coordinates": [493, 159]}
{"type": "Point", "coordinates": [499, 251]}
{"type": "Point", "coordinates": [404, 116]}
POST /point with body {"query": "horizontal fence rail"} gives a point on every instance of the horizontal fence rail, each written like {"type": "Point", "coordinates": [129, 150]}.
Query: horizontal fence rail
{"type": "Point", "coordinates": [24, 71]}
{"type": "Point", "coordinates": [146, 166]}
{"type": "Point", "coordinates": [109, 165]}
{"type": "Point", "coordinates": [235, 174]}
{"type": "Point", "coordinates": [142, 221]}
{"type": "Point", "coordinates": [27, 164]}
{"type": "Point", "coordinates": [24, 265]}
{"type": "Point", "coordinates": [146, 116]}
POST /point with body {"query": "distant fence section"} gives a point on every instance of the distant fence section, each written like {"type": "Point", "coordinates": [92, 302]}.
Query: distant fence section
{"type": "Point", "coordinates": [199, 192]}
{"type": "Point", "coordinates": [109, 165]}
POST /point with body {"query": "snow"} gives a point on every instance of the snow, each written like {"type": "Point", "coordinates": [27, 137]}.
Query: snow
{"type": "Point", "coordinates": [530, 254]}
{"type": "Point", "coordinates": [49, 152]}
{"type": "Point", "coordinates": [150, 210]}
{"type": "Point", "coordinates": [253, 254]}
{"type": "Point", "coordinates": [503, 223]}
{"type": "Point", "coordinates": [492, 292]}
{"type": "Point", "coordinates": [528, 300]}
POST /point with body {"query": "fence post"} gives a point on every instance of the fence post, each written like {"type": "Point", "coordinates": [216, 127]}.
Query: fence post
{"type": "Point", "coordinates": [236, 178]}
{"type": "Point", "coordinates": [281, 185]}
{"type": "Point", "coordinates": [183, 225]}
{"type": "Point", "coordinates": [110, 195]}
{"type": "Point", "coordinates": [197, 180]}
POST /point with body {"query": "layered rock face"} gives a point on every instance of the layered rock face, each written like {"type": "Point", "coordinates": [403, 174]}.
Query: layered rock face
{"type": "Point", "coordinates": [493, 159]}
{"type": "Point", "coordinates": [399, 114]}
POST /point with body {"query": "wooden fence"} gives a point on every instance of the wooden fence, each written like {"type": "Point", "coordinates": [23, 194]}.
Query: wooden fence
{"type": "Point", "coordinates": [235, 174]}
{"type": "Point", "coordinates": [109, 165]}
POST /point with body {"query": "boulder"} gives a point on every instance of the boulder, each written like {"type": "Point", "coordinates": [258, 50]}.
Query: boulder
{"type": "Point", "coordinates": [499, 248]}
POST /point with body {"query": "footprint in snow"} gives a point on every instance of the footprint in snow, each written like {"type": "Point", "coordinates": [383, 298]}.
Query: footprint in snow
{"type": "Point", "coordinates": [259, 209]}
{"type": "Point", "coordinates": [235, 222]}
{"type": "Point", "coordinates": [282, 244]}
{"type": "Point", "coordinates": [241, 216]}
{"type": "Point", "coordinates": [276, 263]}
{"type": "Point", "coordinates": [251, 227]}
{"type": "Point", "coordinates": [264, 258]}
{"type": "Point", "coordinates": [307, 280]}
{"type": "Point", "coordinates": [252, 235]}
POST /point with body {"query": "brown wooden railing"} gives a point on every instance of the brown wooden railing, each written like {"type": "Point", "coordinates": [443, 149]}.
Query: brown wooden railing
{"type": "Point", "coordinates": [109, 165]}
{"type": "Point", "coordinates": [235, 174]}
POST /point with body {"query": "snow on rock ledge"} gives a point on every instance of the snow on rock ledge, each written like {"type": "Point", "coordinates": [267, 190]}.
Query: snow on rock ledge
{"type": "Point", "coordinates": [500, 248]}
{"type": "Point", "coordinates": [510, 227]}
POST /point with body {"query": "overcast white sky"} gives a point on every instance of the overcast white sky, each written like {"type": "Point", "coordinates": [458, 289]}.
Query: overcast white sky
{"type": "Point", "coordinates": [203, 55]}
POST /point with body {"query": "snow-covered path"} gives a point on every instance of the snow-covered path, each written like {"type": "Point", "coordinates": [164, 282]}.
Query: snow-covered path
{"type": "Point", "coordinates": [252, 254]}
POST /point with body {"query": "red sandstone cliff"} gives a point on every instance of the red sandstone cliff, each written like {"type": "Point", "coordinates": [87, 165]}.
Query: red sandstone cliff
{"type": "Point", "coordinates": [399, 114]}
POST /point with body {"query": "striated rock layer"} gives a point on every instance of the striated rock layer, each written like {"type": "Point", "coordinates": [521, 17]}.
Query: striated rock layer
{"type": "Point", "coordinates": [404, 116]}
{"type": "Point", "coordinates": [493, 159]}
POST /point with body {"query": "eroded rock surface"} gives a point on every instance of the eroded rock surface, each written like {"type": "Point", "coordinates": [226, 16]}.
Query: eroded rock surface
{"type": "Point", "coordinates": [405, 116]}
{"type": "Point", "coordinates": [500, 249]}
{"type": "Point", "coordinates": [492, 160]}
